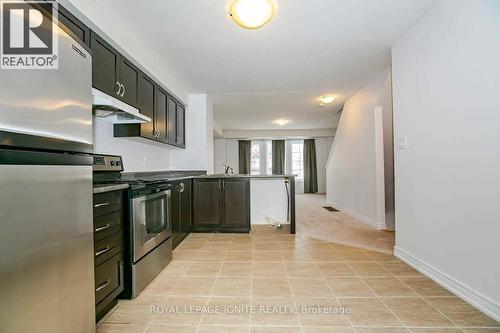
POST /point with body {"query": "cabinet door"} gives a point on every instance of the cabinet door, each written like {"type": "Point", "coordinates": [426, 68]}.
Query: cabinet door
{"type": "Point", "coordinates": [147, 105]}
{"type": "Point", "coordinates": [175, 203]}
{"type": "Point", "coordinates": [128, 76]}
{"type": "Point", "coordinates": [186, 206]}
{"type": "Point", "coordinates": [236, 202]}
{"type": "Point", "coordinates": [161, 114]}
{"type": "Point", "coordinates": [171, 120]}
{"type": "Point", "coordinates": [105, 61]}
{"type": "Point", "coordinates": [74, 25]}
{"type": "Point", "coordinates": [207, 201]}
{"type": "Point", "coordinates": [180, 138]}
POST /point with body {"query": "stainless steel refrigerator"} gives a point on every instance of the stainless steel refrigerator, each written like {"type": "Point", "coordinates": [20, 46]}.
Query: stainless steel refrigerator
{"type": "Point", "coordinates": [46, 228]}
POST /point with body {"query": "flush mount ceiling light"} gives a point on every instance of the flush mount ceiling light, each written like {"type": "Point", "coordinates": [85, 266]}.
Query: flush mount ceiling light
{"type": "Point", "coordinates": [252, 14]}
{"type": "Point", "coordinates": [282, 122]}
{"type": "Point", "coordinates": [326, 99]}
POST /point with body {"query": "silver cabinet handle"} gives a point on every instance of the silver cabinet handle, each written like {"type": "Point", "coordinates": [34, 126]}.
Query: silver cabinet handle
{"type": "Point", "coordinates": [123, 90]}
{"type": "Point", "coordinates": [98, 253]}
{"type": "Point", "coordinates": [181, 187]}
{"type": "Point", "coordinates": [102, 204]}
{"type": "Point", "coordinates": [119, 88]}
{"type": "Point", "coordinates": [159, 133]}
{"type": "Point", "coordinates": [220, 186]}
{"type": "Point", "coordinates": [104, 227]}
{"type": "Point", "coordinates": [223, 184]}
{"type": "Point", "coordinates": [102, 286]}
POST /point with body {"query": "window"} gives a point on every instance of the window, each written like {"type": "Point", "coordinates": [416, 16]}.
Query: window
{"type": "Point", "coordinates": [298, 159]}
{"type": "Point", "coordinates": [255, 159]}
{"type": "Point", "coordinates": [261, 157]}
{"type": "Point", "coordinates": [269, 153]}
{"type": "Point", "coordinates": [295, 158]}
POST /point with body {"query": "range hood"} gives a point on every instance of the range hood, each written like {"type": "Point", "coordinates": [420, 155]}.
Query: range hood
{"type": "Point", "coordinates": [112, 110]}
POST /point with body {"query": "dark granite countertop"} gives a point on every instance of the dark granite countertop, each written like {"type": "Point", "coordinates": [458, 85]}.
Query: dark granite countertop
{"type": "Point", "coordinates": [247, 176]}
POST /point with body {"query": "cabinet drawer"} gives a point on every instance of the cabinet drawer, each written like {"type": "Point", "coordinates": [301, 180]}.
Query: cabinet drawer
{"type": "Point", "coordinates": [109, 202]}
{"type": "Point", "coordinates": [106, 248]}
{"type": "Point", "coordinates": [107, 277]}
{"type": "Point", "coordinates": [108, 225]}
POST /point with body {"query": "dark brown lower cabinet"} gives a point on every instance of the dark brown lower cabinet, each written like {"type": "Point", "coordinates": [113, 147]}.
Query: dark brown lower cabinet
{"type": "Point", "coordinates": [108, 250]}
{"type": "Point", "coordinates": [181, 208]}
{"type": "Point", "coordinates": [221, 205]}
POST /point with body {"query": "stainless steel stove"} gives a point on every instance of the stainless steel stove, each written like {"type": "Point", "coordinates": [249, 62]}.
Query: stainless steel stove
{"type": "Point", "coordinates": [149, 229]}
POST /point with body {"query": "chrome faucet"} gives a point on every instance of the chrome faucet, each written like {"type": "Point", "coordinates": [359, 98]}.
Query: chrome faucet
{"type": "Point", "coordinates": [227, 168]}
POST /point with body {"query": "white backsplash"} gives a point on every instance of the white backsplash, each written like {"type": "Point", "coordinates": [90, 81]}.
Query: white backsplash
{"type": "Point", "coordinates": [138, 154]}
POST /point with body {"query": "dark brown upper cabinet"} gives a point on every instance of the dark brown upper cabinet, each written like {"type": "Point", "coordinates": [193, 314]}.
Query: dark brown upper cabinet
{"type": "Point", "coordinates": [115, 75]}
{"type": "Point", "coordinates": [161, 115]}
{"type": "Point", "coordinates": [74, 25]}
{"type": "Point", "coordinates": [180, 126]}
{"type": "Point", "coordinates": [171, 120]}
{"type": "Point", "coordinates": [128, 78]}
{"type": "Point", "coordinates": [147, 106]}
{"type": "Point", "coordinates": [167, 116]}
{"type": "Point", "coordinates": [112, 73]}
{"type": "Point", "coordinates": [221, 205]}
{"type": "Point", "coordinates": [105, 60]}
{"type": "Point", "coordinates": [176, 123]}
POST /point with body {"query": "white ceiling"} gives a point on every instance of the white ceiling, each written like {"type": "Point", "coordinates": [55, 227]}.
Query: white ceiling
{"type": "Point", "coordinates": [312, 47]}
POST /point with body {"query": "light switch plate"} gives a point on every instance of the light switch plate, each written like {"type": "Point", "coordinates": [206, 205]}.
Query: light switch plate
{"type": "Point", "coordinates": [402, 143]}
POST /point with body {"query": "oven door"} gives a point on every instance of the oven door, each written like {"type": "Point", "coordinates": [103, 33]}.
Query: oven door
{"type": "Point", "coordinates": [150, 222]}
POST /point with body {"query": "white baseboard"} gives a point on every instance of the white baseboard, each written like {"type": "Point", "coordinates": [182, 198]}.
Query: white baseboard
{"type": "Point", "coordinates": [357, 216]}
{"type": "Point", "coordinates": [482, 302]}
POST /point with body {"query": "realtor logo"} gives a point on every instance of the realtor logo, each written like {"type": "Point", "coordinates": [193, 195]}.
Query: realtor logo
{"type": "Point", "coordinates": [29, 35]}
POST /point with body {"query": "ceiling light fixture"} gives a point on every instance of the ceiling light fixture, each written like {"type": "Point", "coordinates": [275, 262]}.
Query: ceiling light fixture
{"type": "Point", "coordinates": [326, 99]}
{"type": "Point", "coordinates": [252, 14]}
{"type": "Point", "coordinates": [282, 122]}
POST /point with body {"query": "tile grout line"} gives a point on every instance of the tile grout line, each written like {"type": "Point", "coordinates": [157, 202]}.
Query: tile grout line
{"type": "Point", "coordinates": [293, 297]}
{"type": "Point", "coordinates": [382, 301]}
{"type": "Point", "coordinates": [210, 295]}
{"type": "Point", "coordinates": [152, 321]}
{"type": "Point", "coordinates": [429, 303]}
{"type": "Point", "coordinates": [377, 296]}
{"type": "Point", "coordinates": [334, 295]}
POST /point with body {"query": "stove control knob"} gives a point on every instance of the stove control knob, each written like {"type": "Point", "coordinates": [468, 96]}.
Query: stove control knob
{"type": "Point", "coordinates": [112, 163]}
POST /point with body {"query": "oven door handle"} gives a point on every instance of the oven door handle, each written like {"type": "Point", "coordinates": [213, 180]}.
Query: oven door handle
{"type": "Point", "coordinates": [156, 195]}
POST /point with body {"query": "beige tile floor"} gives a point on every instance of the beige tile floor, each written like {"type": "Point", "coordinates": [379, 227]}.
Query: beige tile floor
{"type": "Point", "coordinates": [316, 222]}
{"type": "Point", "coordinates": [269, 282]}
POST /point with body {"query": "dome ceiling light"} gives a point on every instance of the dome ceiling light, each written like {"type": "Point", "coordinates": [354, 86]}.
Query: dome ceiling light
{"type": "Point", "coordinates": [252, 14]}
{"type": "Point", "coordinates": [281, 122]}
{"type": "Point", "coordinates": [324, 100]}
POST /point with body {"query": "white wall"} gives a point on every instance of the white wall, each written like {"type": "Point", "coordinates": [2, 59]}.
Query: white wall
{"type": "Point", "coordinates": [323, 146]}
{"type": "Point", "coordinates": [446, 86]}
{"type": "Point", "coordinates": [138, 154]}
{"type": "Point", "coordinates": [352, 182]}
{"type": "Point", "coordinates": [268, 199]}
{"type": "Point", "coordinates": [219, 155]}
{"type": "Point", "coordinates": [199, 152]}
{"type": "Point", "coordinates": [226, 152]}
